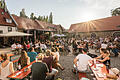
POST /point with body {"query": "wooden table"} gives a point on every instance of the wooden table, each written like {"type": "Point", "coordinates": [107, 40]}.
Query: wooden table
{"type": "Point", "coordinates": [21, 74]}
{"type": "Point", "coordinates": [99, 70]}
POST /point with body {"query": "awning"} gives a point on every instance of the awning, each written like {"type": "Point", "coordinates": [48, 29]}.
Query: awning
{"type": "Point", "coordinates": [58, 35]}
{"type": "Point", "coordinates": [10, 34]}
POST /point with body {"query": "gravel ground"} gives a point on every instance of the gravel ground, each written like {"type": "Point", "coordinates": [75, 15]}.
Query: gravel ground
{"type": "Point", "coordinates": [67, 62]}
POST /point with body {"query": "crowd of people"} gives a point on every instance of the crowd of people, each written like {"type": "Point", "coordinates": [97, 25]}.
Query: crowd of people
{"type": "Point", "coordinates": [105, 46]}
{"type": "Point", "coordinates": [47, 55]}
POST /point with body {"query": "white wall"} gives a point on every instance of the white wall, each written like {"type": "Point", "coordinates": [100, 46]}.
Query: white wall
{"type": "Point", "coordinates": [5, 28]}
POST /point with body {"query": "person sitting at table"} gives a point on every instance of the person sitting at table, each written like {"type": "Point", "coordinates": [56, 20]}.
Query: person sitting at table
{"type": "Point", "coordinates": [105, 59]}
{"type": "Point", "coordinates": [13, 46]}
{"type": "Point", "coordinates": [48, 59]}
{"type": "Point", "coordinates": [43, 46]}
{"type": "Point", "coordinates": [56, 60]}
{"type": "Point", "coordinates": [32, 54]}
{"type": "Point", "coordinates": [81, 62]}
{"type": "Point", "coordinates": [24, 59]}
{"type": "Point", "coordinates": [39, 69]}
{"type": "Point", "coordinates": [114, 73]}
{"type": "Point", "coordinates": [18, 47]}
{"type": "Point", "coordinates": [6, 67]}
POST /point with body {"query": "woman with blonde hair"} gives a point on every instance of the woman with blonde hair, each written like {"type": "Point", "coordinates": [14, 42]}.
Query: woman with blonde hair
{"type": "Point", "coordinates": [6, 67]}
{"type": "Point", "coordinates": [24, 59]}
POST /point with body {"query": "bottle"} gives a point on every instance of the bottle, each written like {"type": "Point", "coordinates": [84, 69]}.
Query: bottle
{"type": "Point", "coordinates": [19, 67]}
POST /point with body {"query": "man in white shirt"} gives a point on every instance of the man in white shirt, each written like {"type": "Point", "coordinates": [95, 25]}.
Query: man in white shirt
{"type": "Point", "coordinates": [19, 46]}
{"type": "Point", "coordinates": [43, 46]}
{"type": "Point", "coordinates": [81, 62]}
{"type": "Point", "coordinates": [13, 46]}
{"type": "Point", "coordinates": [104, 45]}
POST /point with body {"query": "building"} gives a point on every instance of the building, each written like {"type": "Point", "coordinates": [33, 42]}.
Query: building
{"type": "Point", "coordinates": [28, 26]}
{"type": "Point", "coordinates": [109, 26]}
{"type": "Point", "coordinates": [39, 29]}
{"type": "Point", "coordinates": [7, 23]}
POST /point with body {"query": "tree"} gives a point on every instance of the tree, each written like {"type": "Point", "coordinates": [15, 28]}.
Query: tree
{"type": "Point", "coordinates": [22, 13]}
{"type": "Point", "coordinates": [115, 12]}
{"type": "Point", "coordinates": [39, 18]}
{"type": "Point", "coordinates": [51, 18]}
{"type": "Point", "coordinates": [32, 16]}
{"type": "Point", "coordinates": [46, 19]}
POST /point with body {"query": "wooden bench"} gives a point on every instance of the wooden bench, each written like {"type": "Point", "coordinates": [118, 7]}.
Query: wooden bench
{"type": "Point", "coordinates": [21, 74]}
{"type": "Point", "coordinates": [81, 75]}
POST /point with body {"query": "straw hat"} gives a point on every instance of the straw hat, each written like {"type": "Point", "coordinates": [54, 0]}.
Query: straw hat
{"type": "Point", "coordinates": [115, 71]}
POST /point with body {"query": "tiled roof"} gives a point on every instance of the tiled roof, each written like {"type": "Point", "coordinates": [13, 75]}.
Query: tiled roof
{"type": "Point", "coordinates": [25, 23]}
{"type": "Point", "coordinates": [60, 27]}
{"type": "Point", "coordinates": [47, 26]}
{"type": "Point", "coordinates": [104, 24]}
{"type": "Point", "coordinates": [5, 15]}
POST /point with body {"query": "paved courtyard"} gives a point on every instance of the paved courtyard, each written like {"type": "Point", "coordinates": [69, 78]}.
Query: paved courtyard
{"type": "Point", "coordinates": [67, 62]}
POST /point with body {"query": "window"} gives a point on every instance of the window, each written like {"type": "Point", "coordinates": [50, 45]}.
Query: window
{"type": "Point", "coordinates": [8, 20]}
{"type": "Point", "coordinates": [16, 29]}
{"type": "Point", "coordinates": [1, 32]}
{"type": "Point", "coordinates": [9, 29]}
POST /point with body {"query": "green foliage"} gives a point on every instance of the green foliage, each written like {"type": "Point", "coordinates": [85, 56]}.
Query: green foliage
{"type": "Point", "coordinates": [46, 20]}
{"type": "Point", "coordinates": [22, 13]}
{"type": "Point", "coordinates": [40, 18]}
{"type": "Point", "coordinates": [32, 16]}
{"type": "Point", "coordinates": [51, 18]}
{"type": "Point", "coordinates": [115, 12]}
{"type": "Point", "coordinates": [43, 18]}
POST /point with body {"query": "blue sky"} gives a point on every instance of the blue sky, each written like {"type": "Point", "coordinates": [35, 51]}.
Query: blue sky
{"type": "Point", "coordinates": [65, 12]}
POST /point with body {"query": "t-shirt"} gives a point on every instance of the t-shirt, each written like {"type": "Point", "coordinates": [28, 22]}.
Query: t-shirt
{"type": "Point", "coordinates": [28, 46]}
{"type": "Point", "coordinates": [39, 71]}
{"type": "Point", "coordinates": [5, 71]}
{"type": "Point", "coordinates": [13, 46]}
{"type": "Point", "coordinates": [48, 61]}
{"type": "Point", "coordinates": [82, 62]}
{"type": "Point", "coordinates": [32, 56]}
{"type": "Point", "coordinates": [104, 46]}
